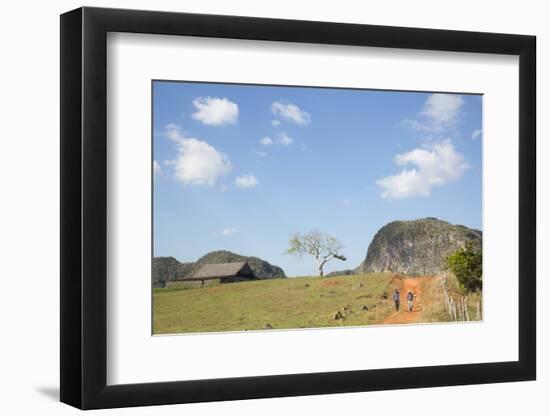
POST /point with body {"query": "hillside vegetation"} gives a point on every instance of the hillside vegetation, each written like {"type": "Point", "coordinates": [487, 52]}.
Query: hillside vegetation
{"type": "Point", "coordinates": [435, 312]}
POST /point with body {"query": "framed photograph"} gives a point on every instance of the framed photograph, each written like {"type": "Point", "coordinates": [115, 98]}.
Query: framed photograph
{"type": "Point", "coordinates": [257, 208]}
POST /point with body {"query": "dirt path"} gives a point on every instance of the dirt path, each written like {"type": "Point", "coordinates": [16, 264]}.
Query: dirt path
{"type": "Point", "coordinates": [403, 316]}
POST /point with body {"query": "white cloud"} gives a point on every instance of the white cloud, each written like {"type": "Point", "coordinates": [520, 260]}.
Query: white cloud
{"type": "Point", "coordinates": [284, 139]}
{"type": "Point", "coordinates": [290, 112]}
{"type": "Point", "coordinates": [346, 202]}
{"type": "Point", "coordinates": [246, 181]}
{"type": "Point", "coordinates": [259, 153]}
{"type": "Point", "coordinates": [156, 168]}
{"type": "Point", "coordinates": [197, 162]}
{"type": "Point", "coordinates": [173, 132]}
{"type": "Point", "coordinates": [443, 108]}
{"type": "Point", "coordinates": [440, 113]}
{"type": "Point", "coordinates": [476, 134]}
{"type": "Point", "coordinates": [433, 167]}
{"type": "Point", "coordinates": [276, 122]}
{"type": "Point", "coordinates": [215, 111]}
{"type": "Point", "coordinates": [266, 141]}
{"type": "Point", "coordinates": [169, 162]}
{"type": "Point", "coordinates": [425, 127]}
{"type": "Point", "coordinates": [281, 139]}
{"type": "Point", "coordinates": [200, 163]}
{"type": "Point", "coordinates": [229, 231]}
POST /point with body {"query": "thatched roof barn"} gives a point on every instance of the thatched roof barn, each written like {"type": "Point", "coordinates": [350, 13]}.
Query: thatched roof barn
{"type": "Point", "coordinates": [226, 270]}
{"type": "Point", "coordinates": [211, 274]}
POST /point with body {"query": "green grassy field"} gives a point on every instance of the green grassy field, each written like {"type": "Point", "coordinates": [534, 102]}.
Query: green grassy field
{"type": "Point", "coordinates": [277, 303]}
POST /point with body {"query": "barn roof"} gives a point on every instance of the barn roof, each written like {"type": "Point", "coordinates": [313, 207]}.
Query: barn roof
{"type": "Point", "coordinates": [222, 270]}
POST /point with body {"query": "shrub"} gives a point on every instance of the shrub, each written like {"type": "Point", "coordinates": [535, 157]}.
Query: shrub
{"type": "Point", "coordinates": [466, 264]}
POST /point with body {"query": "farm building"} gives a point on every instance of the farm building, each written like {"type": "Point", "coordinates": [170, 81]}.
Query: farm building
{"type": "Point", "coordinates": [211, 274]}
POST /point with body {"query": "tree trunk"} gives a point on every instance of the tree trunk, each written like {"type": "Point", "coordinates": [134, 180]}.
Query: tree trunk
{"type": "Point", "coordinates": [320, 265]}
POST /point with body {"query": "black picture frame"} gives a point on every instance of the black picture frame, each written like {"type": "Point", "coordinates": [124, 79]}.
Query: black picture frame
{"type": "Point", "coordinates": [84, 207]}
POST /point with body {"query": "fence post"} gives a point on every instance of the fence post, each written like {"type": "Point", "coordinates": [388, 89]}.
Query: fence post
{"type": "Point", "coordinates": [466, 312]}
{"type": "Point", "coordinates": [453, 309]}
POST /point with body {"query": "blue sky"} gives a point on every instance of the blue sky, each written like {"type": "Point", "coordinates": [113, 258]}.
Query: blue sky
{"type": "Point", "coordinates": [242, 167]}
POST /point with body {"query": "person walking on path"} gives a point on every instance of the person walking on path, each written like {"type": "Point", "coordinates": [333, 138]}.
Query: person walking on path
{"type": "Point", "coordinates": [396, 299]}
{"type": "Point", "coordinates": [410, 298]}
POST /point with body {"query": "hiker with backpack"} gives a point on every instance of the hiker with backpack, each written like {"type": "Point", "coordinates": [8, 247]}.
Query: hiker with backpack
{"type": "Point", "coordinates": [410, 298]}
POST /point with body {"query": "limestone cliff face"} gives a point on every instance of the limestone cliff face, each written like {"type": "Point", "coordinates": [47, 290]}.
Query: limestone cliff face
{"type": "Point", "coordinates": [416, 247]}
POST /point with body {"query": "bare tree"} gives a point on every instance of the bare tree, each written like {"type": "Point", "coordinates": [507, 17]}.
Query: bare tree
{"type": "Point", "coordinates": [321, 246]}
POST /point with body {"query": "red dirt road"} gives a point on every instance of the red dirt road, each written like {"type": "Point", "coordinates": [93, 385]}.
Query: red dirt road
{"type": "Point", "coordinates": [403, 316]}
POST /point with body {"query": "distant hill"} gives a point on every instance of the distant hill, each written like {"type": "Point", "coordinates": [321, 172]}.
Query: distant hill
{"type": "Point", "coordinates": [343, 272]}
{"type": "Point", "coordinates": [416, 247]}
{"type": "Point", "coordinates": [169, 268]}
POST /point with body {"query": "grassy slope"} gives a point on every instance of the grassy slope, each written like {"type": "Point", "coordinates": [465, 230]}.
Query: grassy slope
{"type": "Point", "coordinates": [436, 311]}
{"type": "Point", "coordinates": [280, 303]}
